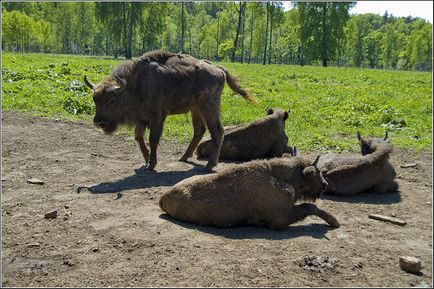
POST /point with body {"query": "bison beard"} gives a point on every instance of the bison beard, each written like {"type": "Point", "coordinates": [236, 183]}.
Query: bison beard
{"type": "Point", "coordinates": [144, 91]}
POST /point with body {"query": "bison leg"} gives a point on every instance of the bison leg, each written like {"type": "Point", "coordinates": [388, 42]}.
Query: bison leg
{"type": "Point", "coordinates": [156, 128]}
{"type": "Point", "coordinates": [140, 133]}
{"type": "Point", "coordinates": [216, 130]}
{"type": "Point", "coordinates": [199, 130]}
{"type": "Point", "coordinates": [299, 212]}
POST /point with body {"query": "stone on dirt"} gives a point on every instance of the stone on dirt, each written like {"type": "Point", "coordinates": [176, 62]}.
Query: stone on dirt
{"type": "Point", "coordinates": [410, 264]}
{"type": "Point", "coordinates": [35, 181]}
{"type": "Point", "coordinates": [51, 215]}
{"type": "Point", "coordinates": [411, 165]}
{"type": "Point", "coordinates": [317, 263]}
{"type": "Point", "coordinates": [387, 219]}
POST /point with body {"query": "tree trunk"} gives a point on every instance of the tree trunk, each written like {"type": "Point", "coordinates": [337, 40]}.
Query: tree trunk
{"type": "Point", "coordinates": [240, 12]}
{"type": "Point", "coordinates": [182, 27]}
{"type": "Point", "coordinates": [324, 35]}
{"type": "Point", "coordinates": [242, 32]}
{"type": "Point", "coordinates": [266, 37]}
{"type": "Point", "coordinates": [189, 37]}
{"type": "Point", "coordinates": [271, 33]}
{"type": "Point", "coordinates": [125, 27]}
{"type": "Point", "coordinates": [251, 36]}
{"type": "Point", "coordinates": [218, 29]}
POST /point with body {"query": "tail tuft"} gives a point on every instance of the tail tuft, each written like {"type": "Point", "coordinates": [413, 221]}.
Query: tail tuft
{"type": "Point", "coordinates": [232, 81]}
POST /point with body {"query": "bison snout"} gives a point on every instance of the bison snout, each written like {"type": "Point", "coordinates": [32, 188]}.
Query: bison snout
{"type": "Point", "coordinates": [324, 185]}
{"type": "Point", "coordinates": [99, 123]}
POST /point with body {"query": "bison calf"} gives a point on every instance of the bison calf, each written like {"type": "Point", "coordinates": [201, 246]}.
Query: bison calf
{"type": "Point", "coordinates": [372, 171]}
{"type": "Point", "coordinates": [260, 193]}
{"type": "Point", "coordinates": [262, 138]}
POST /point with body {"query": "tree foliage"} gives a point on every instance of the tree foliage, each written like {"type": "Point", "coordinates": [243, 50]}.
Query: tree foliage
{"type": "Point", "coordinates": [313, 33]}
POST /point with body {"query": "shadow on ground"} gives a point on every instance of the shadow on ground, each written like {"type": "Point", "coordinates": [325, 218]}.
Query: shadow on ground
{"type": "Point", "coordinates": [367, 198]}
{"type": "Point", "coordinates": [316, 231]}
{"type": "Point", "coordinates": [143, 179]}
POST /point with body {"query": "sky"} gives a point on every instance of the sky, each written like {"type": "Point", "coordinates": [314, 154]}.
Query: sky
{"type": "Point", "coordinates": [422, 9]}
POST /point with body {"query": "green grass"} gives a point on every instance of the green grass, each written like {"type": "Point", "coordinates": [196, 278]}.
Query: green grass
{"type": "Point", "coordinates": [328, 105]}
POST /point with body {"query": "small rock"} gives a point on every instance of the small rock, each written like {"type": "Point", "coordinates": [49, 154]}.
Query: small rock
{"type": "Point", "coordinates": [66, 206]}
{"type": "Point", "coordinates": [410, 264]}
{"type": "Point", "coordinates": [66, 216]}
{"type": "Point", "coordinates": [33, 245]}
{"type": "Point", "coordinates": [57, 120]}
{"type": "Point", "coordinates": [95, 248]}
{"type": "Point", "coordinates": [411, 165]}
{"type": "Point", "coordinates": [51, 215]}
{"type": "Point", "coordinates": [35, 181]}
{"type": "Point", "coordinates": [423, 284]}
{"type": "Point", "coordinates": [68, 263]}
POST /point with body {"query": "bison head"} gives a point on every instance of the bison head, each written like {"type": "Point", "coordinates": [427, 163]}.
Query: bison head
{"type": "Point", "coordinates": [107, 96]}
{"type": "Point", "coordinates": [271, 111]}
{"type": "Point", "coordinates": [313, 182]}
{"type": "Point", "coordinates": [369, 145]}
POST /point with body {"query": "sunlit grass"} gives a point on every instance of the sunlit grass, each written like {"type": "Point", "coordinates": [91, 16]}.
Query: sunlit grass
{"type": "Point", "coordinates": [328, 105]}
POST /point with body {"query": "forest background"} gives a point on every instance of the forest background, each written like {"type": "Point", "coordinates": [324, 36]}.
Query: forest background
{"type": "Point", "coordinates": [315, 33]}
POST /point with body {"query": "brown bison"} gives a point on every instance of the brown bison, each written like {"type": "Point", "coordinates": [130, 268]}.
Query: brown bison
{"type": "Point", "coordinates": [262, 138]}
{"type": "Point", "coordinates": [144, 91]}
{"type": "Point", "coordinates": [372, 171]}
{"type": "Point", "coordinates": [259, 193]}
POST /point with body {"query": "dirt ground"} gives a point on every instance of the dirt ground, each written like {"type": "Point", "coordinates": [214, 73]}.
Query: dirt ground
{"type": "Point", "coordinates": [114, 233]}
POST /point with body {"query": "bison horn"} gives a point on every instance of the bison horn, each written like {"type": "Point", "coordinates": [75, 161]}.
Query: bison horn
{"type": "Point", "coordinates": [123, 84]}
{"type": "Point", "coordinates": [90, 85]}
{"type": "Point", "coordinates": [358, 136]}
{"type": "Point", "coordinates": [385, 137]}
{"type": "Point", "coordinates": [315, 162]}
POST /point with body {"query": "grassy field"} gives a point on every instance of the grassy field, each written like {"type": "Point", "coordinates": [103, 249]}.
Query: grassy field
{"type": "Point", "coordinates": [328, 105]}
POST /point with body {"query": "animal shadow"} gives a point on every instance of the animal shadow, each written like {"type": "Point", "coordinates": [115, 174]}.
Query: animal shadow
{"type": "Point", "coordinates": [316, 231]}
{"type": "Point", "coordinates": [372, 198]}
{"type": "Point", "coordinates": [145, 179]}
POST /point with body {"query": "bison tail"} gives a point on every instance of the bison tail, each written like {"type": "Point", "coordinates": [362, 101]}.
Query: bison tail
{"type": "Point", "coordinates": [233, 84]}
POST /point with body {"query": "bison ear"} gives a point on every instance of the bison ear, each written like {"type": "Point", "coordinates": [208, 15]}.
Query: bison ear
{"type": "Point", "coordinates": [269, 110]}
{"type": "Point", "coordinates": [122, 85]}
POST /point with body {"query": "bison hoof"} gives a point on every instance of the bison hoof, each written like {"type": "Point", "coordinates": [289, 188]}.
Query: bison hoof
{"type": "Point", "coordinates": [209, 169]}
{"type": "Point", "coordinates": [149, 167]}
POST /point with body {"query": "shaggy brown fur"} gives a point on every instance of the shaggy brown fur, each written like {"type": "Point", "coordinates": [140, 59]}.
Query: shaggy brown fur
{"type": "Point", "coordinates": [370, 172]}
{"type": "Point", "coordinates": [262, 138]}
{"type": "Point", "coordinates": [144, 91]}
{"type": "Point", "coordinates": [259, 193]}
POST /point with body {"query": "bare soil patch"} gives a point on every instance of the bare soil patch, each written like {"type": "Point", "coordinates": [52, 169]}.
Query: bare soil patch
{"type": "Point", "coordinates": [114, 233]}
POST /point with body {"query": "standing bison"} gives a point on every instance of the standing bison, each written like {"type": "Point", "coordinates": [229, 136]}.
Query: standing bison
{"type": "Point", "coordinates": [262, 138]}
{"type": "Point", "coordinates": [144, 91]}
{"type": "Point", "coordinates": [371, 171]}
{"type": "Point", "coordinates": [259, 193]}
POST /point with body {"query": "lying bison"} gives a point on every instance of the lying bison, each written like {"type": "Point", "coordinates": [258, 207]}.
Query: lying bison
{"type": "Point", "coordinates": [144, 91]}
{"type": "Point", "coordinates": [260, 193]}
{"type": "Point", "coordinates": [372, 171]}
{"type": "Point", "coordinates": [263, 138]}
